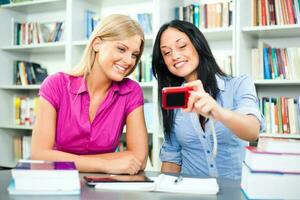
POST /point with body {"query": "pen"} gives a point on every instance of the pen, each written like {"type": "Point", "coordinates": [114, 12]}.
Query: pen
{"type": "Point", "coordinates": [178, 179]}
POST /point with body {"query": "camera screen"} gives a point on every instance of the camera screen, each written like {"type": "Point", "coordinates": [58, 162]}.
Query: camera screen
{"type": "Point", "coordinates": [176, 99]}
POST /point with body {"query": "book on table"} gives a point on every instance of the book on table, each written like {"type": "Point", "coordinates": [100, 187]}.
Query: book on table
{"type": "Point", "coordinates": [278, 145]}
{"type": "Point", "coordinates": [42, 177]}
{"type": "Point", "coordinates": [271, 185]}
{"type": "Point", "coordinates": [165, 183]}
{"type": "Point", "coordinates": [265, 161]}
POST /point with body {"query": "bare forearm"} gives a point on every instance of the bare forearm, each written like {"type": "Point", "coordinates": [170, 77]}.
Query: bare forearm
{"type": "Point", "coordinates": [83, 163]}
{"type": "Point", "coordinates": [168, 167]}
{"type": "Point", "coordinates": [115, 155]}
{"type": "Point", "coordinates": [245, 127]}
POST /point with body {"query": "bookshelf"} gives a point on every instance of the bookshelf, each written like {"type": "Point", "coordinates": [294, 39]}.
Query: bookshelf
{"type": "Point", "coordinates": [236, 41]}
{"type": "Point", "coordinates": [281, 35]}
{"type": "Point", "coordinates": [58, 56]}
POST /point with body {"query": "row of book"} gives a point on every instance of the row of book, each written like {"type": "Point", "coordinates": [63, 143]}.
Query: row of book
{"type": "Point", "coordinates": [275, 12]}
{"type": "Point", "coordinates": [143, 71]}
{"type": "Point", "coordinates": [209, 15]}
{"type": "Point", "coordinates": [272, 170]}
{"type": "Point", "coordinates": [30, 33]}
{"type": "Point", "coordinates": [28, 73]}
{"type": "Point", "coordinates": [282, 114]}
{"type": "Point", "coordinates": [22, 147]}
{"type": "Point", "coordinates": [92, 19]}
{"type": "Point", "coordinates": [276, 63]}
{"type": "Point", "coordinates": [25, 110]}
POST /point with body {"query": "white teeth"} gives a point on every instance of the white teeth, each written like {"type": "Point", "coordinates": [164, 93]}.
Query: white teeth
{"type": "Point", "coordinates": [122, 69]}
{"type": "Point", "coordinates": [179, 64]}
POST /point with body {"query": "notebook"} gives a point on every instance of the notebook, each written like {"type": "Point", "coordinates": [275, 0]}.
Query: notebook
{"type": "Point", "coordinates": [166, 183]}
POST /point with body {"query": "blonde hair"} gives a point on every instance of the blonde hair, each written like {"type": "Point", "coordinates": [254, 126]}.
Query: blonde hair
{"type": "Point", "coordinates": [111, 28]}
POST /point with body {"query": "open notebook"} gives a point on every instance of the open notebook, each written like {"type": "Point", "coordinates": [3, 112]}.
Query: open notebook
{"type": "Point", "coordinates": [166, 183]}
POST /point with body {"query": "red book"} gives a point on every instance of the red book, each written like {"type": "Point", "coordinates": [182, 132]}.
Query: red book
{"type": "Point", "coordinates": [272, 12]}
{"type": "Point", "coordinates": [263, 12]}
{"type": "Point", "coordinates": [285, 122]}
{"type": "Point", "coordinates": [290, 11]}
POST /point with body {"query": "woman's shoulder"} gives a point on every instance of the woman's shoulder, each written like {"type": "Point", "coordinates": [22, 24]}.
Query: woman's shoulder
{"type": "Point", "coordinates": [130, 84]}
{"type": "Point", "coordinates": [238, 80]}
{"type": "Point", "coordinates": [58, 80]}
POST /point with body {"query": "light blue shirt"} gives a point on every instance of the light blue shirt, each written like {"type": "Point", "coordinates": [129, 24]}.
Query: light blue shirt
{"type": "Point", "coordinates": [190, 147]}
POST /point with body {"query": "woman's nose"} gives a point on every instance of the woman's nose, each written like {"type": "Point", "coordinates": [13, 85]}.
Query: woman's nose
{"type": "Point", "coordinates": [175, 55]}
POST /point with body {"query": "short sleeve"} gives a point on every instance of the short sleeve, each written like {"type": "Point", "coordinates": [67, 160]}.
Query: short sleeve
{"type": "Point", "coordinates": [50, 90]}
{"type": "Point", "coordinates": [246, 101]}
{"type": "Point", "coordinates": [171, 150]}
{"type": "Point", "coordinates": [135, 98]}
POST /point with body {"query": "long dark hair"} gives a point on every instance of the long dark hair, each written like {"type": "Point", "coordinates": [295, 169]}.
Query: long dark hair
{"type": "Point", "coordinates": [206, 70]}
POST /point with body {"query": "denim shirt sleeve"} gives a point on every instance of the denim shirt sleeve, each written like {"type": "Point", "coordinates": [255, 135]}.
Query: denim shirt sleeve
{"type": "Point", "coordinates": [171, 150]}
{"type": "Point", "coordinates": [246, 101]}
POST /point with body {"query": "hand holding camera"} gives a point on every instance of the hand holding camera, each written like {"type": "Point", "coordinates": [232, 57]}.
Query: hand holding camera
{"type": "Point", "coordinates": [175, 97]}
{"type": "Point", "coordinates": [191, 98]}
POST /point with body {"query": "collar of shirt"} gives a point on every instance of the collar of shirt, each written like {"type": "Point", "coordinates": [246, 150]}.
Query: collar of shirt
{"type": "Point", "coordinates": [78, 85]}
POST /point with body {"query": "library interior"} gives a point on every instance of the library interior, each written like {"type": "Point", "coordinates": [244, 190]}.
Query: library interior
{"type": "Point", "coordinates": [254, 45]}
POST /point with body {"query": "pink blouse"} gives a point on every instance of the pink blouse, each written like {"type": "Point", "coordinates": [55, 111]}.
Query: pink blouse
{"type": "Point", "coordinates": [74, 131]}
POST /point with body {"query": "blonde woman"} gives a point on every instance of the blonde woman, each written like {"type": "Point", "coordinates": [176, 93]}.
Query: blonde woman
{"type": "Point", "coordinates": [82, 113]}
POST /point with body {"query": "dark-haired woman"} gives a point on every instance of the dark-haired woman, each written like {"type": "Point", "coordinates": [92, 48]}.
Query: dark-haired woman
{"type": "Point", "coordinates": [182, 56]}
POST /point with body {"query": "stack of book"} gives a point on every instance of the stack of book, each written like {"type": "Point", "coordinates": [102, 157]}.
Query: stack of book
{"type": "Point", "coordinates": [41, 177]}
{"type": "Point", "coordinates": [272, 169]}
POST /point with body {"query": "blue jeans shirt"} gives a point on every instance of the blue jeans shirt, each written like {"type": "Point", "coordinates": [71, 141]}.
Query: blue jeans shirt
{"type": "Point", "coordinates": [190, 147]}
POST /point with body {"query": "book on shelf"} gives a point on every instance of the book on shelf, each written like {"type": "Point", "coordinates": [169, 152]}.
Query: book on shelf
{"type": "Point", "coordinates": [145, 20]}
{"type": "Point", "coordinates": [275, 185]}
{"type": "Point", "coordinates": [275, 12]}
{"type": "Point", "coordinates": [282, 114]}
{"type": "Point", "coordinates": [275, 63]}
{"type": "Point", "coordinates": [208, 15]}
{"type": "Point", "coordinates": [278, 145]}
{"type": "Point", "coordinates": [44, 177]}
{"type": "Point", "coordinates": [28, 73]}
{"type": "Point", "coordinates": [143, 71]}
{"type": "Point", "coordinates": [264, 161]}
{"type": "Point", "coordinates": [21, 145]}
{"type": "Point", "coordinates": [225, 63]}
{"type": "Point", "coordinates": [25, 110]}
{"type": "Point", "coordinates": [91, 21]}
{"type": "Point", "coordinates": [167, 183]}
{"type": "Point", "coordinates": [30, 33]}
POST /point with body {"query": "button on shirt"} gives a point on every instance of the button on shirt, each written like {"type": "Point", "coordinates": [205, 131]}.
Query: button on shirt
{"type": "Point", "coordinates": [74, 131]}
{"type": "Point", "coordinates": [191, 147]}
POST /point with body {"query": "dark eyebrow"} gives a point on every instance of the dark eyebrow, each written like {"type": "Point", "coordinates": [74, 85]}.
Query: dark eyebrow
{"type": "Point", "coordinates": [175, 41]}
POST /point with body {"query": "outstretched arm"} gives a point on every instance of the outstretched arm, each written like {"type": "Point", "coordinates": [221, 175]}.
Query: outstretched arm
{"type": "Point", "coordinates": [244, 126]}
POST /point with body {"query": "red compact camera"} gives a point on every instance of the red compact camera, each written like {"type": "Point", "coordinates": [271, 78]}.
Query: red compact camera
{"type": "Point", "coordinates": [175, 97]}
